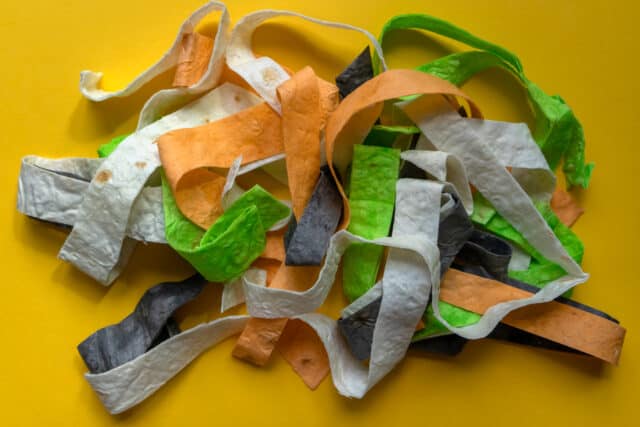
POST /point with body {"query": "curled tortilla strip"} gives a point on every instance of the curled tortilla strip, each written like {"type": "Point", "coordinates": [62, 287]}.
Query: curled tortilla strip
{"type": "Point", "coordinates": [557, 131]}
{"type": "Point", "coordinates": [353, 118]}
{"type": "Point", "coordinates": [117, 344]}
{"type": "Point", "coordinates": [233, 294]}
{"type": "Point", "coordinates": [129, 384]}
{"type": "Point", "coordinates": [561, 323]}
{"type": "Point", "coordinates": [95, 243]}
{"type": "Point", "coordinates": [514, 147]}
{"type": "Point", "coordinates": [565, 207]}
{"type": "Point", "coordinates": [167, 100]}
{"type": "Point", "coordinates": [254, 133]}
{"type": "Point", "coordinates": [443, 167]}
{"type": "Point", "coordinates": [264, 74]}
{"type": "Point", "coordinates": [450, 132]}
{"type": "Point", "coordinates": [53, 189]}
{"type": "Point", "coordinates": [193, 60]}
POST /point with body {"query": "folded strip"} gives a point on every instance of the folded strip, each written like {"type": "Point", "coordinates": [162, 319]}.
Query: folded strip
{"type": "Point", "coordinates": [557, 131]}
{"type": "Point", "coordinates": [117, 344]}
{"type": "Point", "coordinates": [53, 189]}
{"type": "Point", "coordinates": [443, 167]}
{"type": "Point", "coordinates": [130, 383]}
{"type": "Point", "coordinates": [232, 292]}
{"type": "Point", "coordinates": [254, 133]}
{"type": "Point", "coordinates": [264, 74]}
{"type": "Point", "coordinates": [449, 132]}
{"type": "Point", "coordinates": [352, 120]}
{"type": "Point", "coordinates": [167, 100]}
{"type": "Point", "coordinates": [96, 241]}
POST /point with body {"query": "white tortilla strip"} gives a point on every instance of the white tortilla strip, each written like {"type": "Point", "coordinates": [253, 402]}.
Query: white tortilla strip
{"type": "Point", "coordinates": [443, 167]}
{"type": "Point", "coordinates": [233, 293]}
{"type": "Point", "coordinates": [129, 384]}
{"type": "Point", "coordinates": [47, 191]}
{"type": "Point", "coordinates": [514, 147]}
{"type": "Point", "coordinates": [264, 74]}
{"type": "Point", "coordinates": [449, 132]}
{"type": "Point", "coordinates": [94, 243]}
{"type": "Point", "coordinates": [168, 100]}
{"type": "Point", "coordinates": [520, 260]}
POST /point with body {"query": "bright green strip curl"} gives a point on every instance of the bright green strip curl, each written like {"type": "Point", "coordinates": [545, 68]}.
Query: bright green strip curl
{"type": "Point", "coordinates": [374, 172]}
{"type": "Point", "coordinates": [232, 243]}
{"type": "Point", "coordinates": [557, 131]}
{"type": "Point", "coordinates": [105, 149]}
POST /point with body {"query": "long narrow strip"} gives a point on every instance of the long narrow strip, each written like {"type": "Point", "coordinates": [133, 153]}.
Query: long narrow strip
{"type": "Point", "coordinates": [561, 323]}
{"type": "Point", "coordinates": [374, 172]}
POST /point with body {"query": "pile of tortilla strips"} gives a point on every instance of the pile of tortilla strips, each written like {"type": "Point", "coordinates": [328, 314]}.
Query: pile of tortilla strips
{"type": "Point", "coordinates": [448, 226]}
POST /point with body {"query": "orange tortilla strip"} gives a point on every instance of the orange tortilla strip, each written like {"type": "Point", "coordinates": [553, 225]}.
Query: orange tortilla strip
{"type": "Point", "coordinates": [301, 121]}
{"type": "Point", "coordinates": [565, 207]}
{"type": "Point", "coordinates": [193, 60]}
{"type": "Point", "coordinates": [306, 103]}
{"type": "Point", "coordinates": [259, 337]}
{"type": "Point", "coordinates": [255, 133]}
{"type": "Point", "coordinates": [561, 323]}
{"type": "Point", "coordinates": [303, 349]}
{"type": "Point", "coordinates": [275, 245]}
{"type": "Point", "coordinates": [352, 120]}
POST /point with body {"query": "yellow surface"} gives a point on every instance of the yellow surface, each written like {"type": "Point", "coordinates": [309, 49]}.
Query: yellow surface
{"type": "Point", "coordinates": [584, 51]}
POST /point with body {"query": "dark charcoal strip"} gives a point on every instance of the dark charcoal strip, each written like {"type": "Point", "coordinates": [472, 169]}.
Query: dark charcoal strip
{"type": "Point", "coordinates": [148, 325]}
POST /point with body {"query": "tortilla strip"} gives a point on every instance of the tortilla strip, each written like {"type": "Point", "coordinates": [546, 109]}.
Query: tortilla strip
{"type": "Point", "coordinates": [565, 207]}
{"type": "Point", "coordinates": [193, 60]}
{"type": "Point", "coordinates": [561, 323]}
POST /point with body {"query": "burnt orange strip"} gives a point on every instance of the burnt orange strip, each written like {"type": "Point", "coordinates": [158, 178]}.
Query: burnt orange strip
{"type": "Point", "coordinates": [555, 321]}
{"type": "Point", "coordinates": [301, 119]}
{"type": "Point", "coordinates": [303, 349]}
{"type": "Point", "coordinates": [259, 337]}
{"type": "Point", "coordinates": [353, 118]}
{"type": "Point", "coordinates": [193, 60]}
{"type": "Point", "coordinates": [565, 207]}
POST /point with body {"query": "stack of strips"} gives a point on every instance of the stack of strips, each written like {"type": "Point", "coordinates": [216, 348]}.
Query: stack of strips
{"type": "Point", "coordinates": [449, 226]}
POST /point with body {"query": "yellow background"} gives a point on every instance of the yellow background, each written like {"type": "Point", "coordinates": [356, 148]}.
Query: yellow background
{"type": "Point", "coordinates": [584, 51]}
